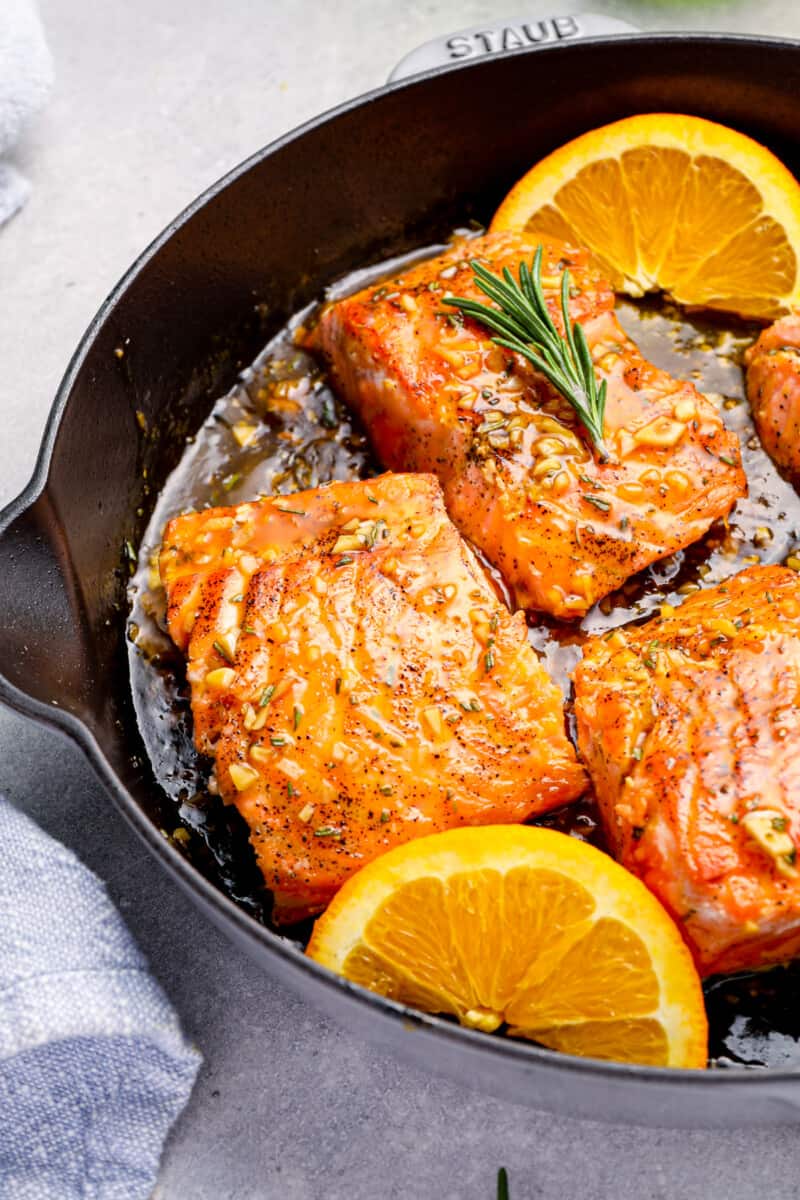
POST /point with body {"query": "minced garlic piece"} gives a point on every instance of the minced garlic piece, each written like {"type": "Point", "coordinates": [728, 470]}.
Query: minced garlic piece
{"type": "Point", "coordinates": [260, 719]}
{"type": "Point", "coordinates": [685, 410]}
{"type": "Point", "coordinates": [433, 720]}
{"type": "Point", "coordinates": [346, 543]}
{"type": "Point", "coordinates": [722, 625]}
{"type": "Point", "coordinates": [225, 644]}
{"type": "Point", "coordinates": [243, 776]}
{"type": "Point", "coordinates": [483, 1019]}
{"type": "Point", "coordinates": [222, 677]}
{"type": "Point", "coordinates": [661, 432]}
{"type": "Point", "coordinates": [767, 828]}
{"type": "Point", "coordinates": [244, 432]}
{"type": "Point", "coordinates": [341, 752]}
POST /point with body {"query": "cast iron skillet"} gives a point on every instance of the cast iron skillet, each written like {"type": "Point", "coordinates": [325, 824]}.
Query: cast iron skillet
{"type": "Point", "coordinates": [393, 170]}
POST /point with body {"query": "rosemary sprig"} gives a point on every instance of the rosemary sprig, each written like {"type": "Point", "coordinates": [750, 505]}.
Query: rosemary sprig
{"type": "Point", "coordinates": [524, 324]}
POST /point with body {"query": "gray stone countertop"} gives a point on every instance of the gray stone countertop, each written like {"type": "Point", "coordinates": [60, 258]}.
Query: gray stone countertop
{"type": "Point", "coordinates": [154, 100]}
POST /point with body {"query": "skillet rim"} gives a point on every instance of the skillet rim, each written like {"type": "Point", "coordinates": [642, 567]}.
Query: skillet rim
{"type": "Point", "coordinates": [232, 916]}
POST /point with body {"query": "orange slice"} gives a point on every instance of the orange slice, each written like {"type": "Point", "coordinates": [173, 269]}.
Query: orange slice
{"type": "Point", "coordinates": [674, 203]}
{"type": "Point", "coordinates": [526, 928]}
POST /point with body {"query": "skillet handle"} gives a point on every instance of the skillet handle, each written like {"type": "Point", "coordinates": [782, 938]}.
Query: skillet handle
{"type": "Point", "coordinates": [45, 667]}
{"type": "Point", "coordinates": [515, 34]}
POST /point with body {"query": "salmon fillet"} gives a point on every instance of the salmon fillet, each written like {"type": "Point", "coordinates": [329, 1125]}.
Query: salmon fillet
{"type": "Point", "coordinates": [519, 477]}
{"type": "Point", "coordinates": [690, 727]}
{"type": "Point", "coordinates": [773, 389]}
{"type": "Point", "coordinates": [356, 679]}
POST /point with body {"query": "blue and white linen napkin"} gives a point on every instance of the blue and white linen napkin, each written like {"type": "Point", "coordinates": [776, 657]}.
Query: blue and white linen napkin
{"type": "Point", "coordinates": [93, 1066]}
{"type": "Point", "coordinates": [26, 76]}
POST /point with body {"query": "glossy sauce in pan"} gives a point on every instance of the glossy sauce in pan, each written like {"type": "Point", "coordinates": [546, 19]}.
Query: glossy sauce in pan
{"type": "Point", "coordinates": [302, 435]}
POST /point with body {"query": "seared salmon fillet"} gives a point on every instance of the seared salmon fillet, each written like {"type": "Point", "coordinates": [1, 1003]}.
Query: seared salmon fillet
{"type": "Point", "coordinates": [356, 679]}
{"type": "Point", "coordinates": [519, 476]}
{"type": "Point", "coordinates": [773, 389]}
{"type": "Point", "coordinates": [690, 727]}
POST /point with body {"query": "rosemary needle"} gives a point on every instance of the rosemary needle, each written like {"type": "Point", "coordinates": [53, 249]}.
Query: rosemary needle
{"type": "Point", "coordinates": [524, 324]}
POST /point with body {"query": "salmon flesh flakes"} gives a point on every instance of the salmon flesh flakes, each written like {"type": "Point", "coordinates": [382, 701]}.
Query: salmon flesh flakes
{"type": "Point", "coordinates": [356, 680]}
{"type": "Point", "coordinates": [518, 472]}
{"type": "Point", "coordinates": [690, 727]}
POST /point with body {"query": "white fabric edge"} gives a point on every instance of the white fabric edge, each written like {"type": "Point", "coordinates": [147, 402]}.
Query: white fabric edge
{"type": "Point", "coordinates": [48, 1008]}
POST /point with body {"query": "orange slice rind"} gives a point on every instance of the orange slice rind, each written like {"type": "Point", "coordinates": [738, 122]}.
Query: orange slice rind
{"type": "Point", "coordinates": [523, 928]}
{"type": "Point", "coordinates": [673, 203]}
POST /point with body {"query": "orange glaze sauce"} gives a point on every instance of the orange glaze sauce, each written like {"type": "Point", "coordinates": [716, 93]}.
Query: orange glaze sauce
{"type": "Point", "coordinates": [282, 429]}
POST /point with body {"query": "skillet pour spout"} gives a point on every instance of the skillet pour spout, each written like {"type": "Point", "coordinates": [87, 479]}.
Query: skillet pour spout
{"type": "Point", "coordinates": [383, 175]}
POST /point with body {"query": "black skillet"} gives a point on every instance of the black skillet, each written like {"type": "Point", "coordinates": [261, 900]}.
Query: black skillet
{"type": "Point", "coordinates": [393, 170]}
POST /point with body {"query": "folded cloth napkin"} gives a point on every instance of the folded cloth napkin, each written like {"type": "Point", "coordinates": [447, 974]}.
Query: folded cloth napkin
{"type": "Point", "coordinates": [26, 75]}
{"type": "Point", "coordinates": [93, 1066]}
